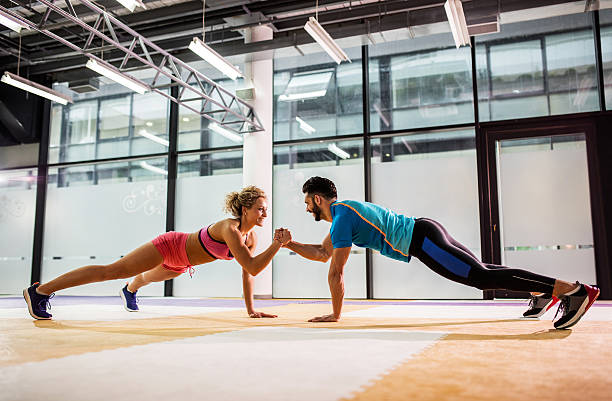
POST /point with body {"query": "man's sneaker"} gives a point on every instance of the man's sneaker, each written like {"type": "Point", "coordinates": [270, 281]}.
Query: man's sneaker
{"type": "Point", "coordinates": [540, 304]}
{"type": "Point", "coordinates": [574, 306]}
{"type": "Point", "coordinates": [37, 303]}
{"type": "Point", "coordinates": [129, 299]}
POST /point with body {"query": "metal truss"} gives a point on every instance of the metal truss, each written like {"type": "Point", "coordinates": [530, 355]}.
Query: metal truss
{"type": "Point", "coordinates": [217, 104]}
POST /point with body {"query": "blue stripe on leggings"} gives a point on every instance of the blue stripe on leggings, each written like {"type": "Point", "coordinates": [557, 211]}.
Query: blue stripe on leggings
{"type": "Point", "coordinates": [448, 261]}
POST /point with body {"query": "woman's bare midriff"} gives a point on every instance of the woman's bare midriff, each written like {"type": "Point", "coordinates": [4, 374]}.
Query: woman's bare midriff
{"type": "Point", "coordinates": [196, 254]}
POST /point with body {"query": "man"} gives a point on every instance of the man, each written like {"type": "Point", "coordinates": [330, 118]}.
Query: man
{"type": "Point", "coordinates": [399, 237]}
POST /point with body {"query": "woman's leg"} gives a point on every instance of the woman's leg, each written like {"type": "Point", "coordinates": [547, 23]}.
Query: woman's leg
{"type": "Point", "coordinates": [434, 247]}
{"type": "Point", "coordinates": [156, 274]}
{"type": "Point", "coordinates": [143, 258]}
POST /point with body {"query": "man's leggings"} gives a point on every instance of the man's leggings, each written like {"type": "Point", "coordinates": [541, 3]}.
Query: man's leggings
{"type": "Point", "coordinates": [433, 246]}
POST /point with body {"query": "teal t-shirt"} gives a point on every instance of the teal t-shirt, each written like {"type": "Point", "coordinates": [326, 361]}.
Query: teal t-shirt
{"type": "Point", "coordinates": [371, 226]}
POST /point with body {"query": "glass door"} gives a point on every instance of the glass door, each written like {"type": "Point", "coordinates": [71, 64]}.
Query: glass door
{"type": "Point", "coordinates": [543, 206]}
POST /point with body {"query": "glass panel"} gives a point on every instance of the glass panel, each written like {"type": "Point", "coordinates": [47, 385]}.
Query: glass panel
{"type": "Point", "coordinates": [544, 203]}
{"type": "Point", "coordinates": [426, 170]}
{"type": "Point", "coordinates": [203, 181]}
{"type": "Point", "coordinates": [342, 162]}
{"type": "Point", "coordinates": [120, 216]}
{"type": "Point", "coordinates": [196, 132]}
{"type": "Point", "coordinates": [150, 124]}
{"type": "Point", "coordinates": [314, 97]}
{"type": "Point", "coordinates": [420, 82]}
{"type": "Point", "coordinates": [17, 212]}
{"type": "Point", "coordinates": [605, 21]}
{"type": "Point", "coordinates": [537, 68]}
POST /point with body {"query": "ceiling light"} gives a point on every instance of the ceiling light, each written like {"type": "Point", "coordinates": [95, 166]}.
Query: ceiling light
{"type": "Point", "coordinates": [154, 169]}
{"type": "Point", "coordinates": [112, 73]}
{"type": "Point", "coordinates": [224, 132]}
{"type": "Point", "coordinates": [153, 138]}
{"type": "Point", "coordinates": [33, 87]}
{"type": "Point", "coordinates": [215, 59]}
{"type": "Point", "coordinates": [337, 151]}
{"type": "Point", "coordinates": [185, 119]}
{"type": "Point", "coordinates": [305, 126]}
{"type": "Point", "coordinates": [11, 22]}
{"type": "Point", "coordinates": [325, 41]}
{"type": "Point", "coordinates": [302, 96]}
{"type": "Point", "coordinates": [456, 19]}
{"type": "Point", "coordinates": [132, 4]}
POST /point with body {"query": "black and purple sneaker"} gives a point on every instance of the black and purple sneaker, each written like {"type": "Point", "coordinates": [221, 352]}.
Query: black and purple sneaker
{"type": "Point", "coordinates": [37, 303]}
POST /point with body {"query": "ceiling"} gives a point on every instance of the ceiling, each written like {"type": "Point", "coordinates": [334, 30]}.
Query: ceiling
{"type": "Point", "coordinates": [171, 24]}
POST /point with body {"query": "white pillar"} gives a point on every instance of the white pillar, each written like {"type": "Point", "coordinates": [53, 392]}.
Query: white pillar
{"type": "Point", "coordinates": [257, 151]}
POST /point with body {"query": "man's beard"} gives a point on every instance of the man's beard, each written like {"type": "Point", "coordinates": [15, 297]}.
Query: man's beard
{"type": "Point", "coordinates": [317, 212]}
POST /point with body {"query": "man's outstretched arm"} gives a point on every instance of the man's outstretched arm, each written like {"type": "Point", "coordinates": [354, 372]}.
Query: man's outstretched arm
{"type": "Point", "coordinates": [318, 252]}
{"type": "Point", "coordinates": [335, 279]}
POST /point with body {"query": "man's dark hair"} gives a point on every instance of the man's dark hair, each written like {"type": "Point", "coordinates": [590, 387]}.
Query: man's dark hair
{"type": "Point", "coordinates": [320, 186]}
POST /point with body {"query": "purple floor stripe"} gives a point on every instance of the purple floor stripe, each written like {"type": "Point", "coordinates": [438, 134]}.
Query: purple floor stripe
{"type": "Point", "coordinates": [18, 302]}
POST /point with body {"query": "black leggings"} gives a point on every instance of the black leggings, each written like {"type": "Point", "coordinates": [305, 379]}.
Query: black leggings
{"type": "Point", "coordinates": [433, 246]}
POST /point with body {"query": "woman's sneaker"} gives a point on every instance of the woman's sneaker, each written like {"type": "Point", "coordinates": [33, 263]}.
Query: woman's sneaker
{"type": "Point", "coordinates": [540, 304]}
{"type": "Point", "coordinates": [37, 303]}
{"type": "Point", "coordinates": [129, 300]}
{"type": "Point", "coordinates": [574, 306]}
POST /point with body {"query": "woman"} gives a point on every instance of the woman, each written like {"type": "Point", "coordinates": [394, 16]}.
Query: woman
{"type": "Point", "coordinates": [173, 253]}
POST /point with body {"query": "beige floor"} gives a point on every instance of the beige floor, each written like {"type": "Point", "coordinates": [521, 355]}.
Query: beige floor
{"type": "Point", "coordinates": [417, 352]}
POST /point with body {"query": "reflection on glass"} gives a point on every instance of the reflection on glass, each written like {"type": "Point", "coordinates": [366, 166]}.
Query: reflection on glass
{"type": "Point", "coordinates": [537, 68]}
{"type": "Point", "coordinates": [427, 83]}
{"type": "Point", "coordinates": [605, 18]}
{"type": "Point", "coordinates": [316, 100]}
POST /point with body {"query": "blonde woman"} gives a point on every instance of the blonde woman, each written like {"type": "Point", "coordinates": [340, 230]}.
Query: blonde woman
{"type": "Point", "coordinates": [173, 253]}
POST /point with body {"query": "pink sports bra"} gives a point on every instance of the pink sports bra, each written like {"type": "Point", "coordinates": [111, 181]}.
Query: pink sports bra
{"type": "Point", "coordinates": [216, 249]}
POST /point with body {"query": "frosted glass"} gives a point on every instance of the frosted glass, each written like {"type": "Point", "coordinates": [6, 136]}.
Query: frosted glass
{"type": "Point", "coordinates": [104, 222]}
{"type": "Point", "coordinates": [199, 202]}
{"type": "Point", "coordinates": [292, 275]}
{"type": "Point", "coordinates": [17, 210]}
{"type": "Point", "coordinates": [441, 186]}
{"type": "Point", "coordinates": [545, 202]}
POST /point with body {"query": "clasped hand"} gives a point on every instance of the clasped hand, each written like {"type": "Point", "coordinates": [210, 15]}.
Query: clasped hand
{"type": "Point", "coordinates": [282, 235]}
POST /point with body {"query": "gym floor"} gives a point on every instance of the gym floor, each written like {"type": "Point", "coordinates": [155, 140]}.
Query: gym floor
{"type": "Point", "coordinates": [208, 349]}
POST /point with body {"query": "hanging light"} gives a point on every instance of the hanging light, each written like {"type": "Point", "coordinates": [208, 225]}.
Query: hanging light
{"type": "Point", "coordinates": [113, 74]}
{"type": "Point", "coordinates": [215, 59]}
{"type": "Point", "coordinates": [33, 87]}
{"type": "Point", "coordinates": [325, 41]}
{"type": "Point", "coordinates": [456, 20]}
{"type": "Point", "coordinates": [11, 22]}
{"type": "Point", "coordinates": [132, 4]}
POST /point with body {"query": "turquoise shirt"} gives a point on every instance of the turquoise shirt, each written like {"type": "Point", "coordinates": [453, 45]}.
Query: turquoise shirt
{"type": "Point", "coordinates": [371, 226]}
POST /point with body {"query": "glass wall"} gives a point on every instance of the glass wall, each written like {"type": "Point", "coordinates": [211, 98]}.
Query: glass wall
{"type": "Point", "coordinates": [420, 82]}
{"type": "Point", "coordinates": [537, 68]}
{"type": "Point", "coordinates": [314, 97]}
{"type": "Point", "coordinates": [342, 162]}
{"type": "Point", "coordinates": [202, 183]}
{"type": "Point", "coordinates": [605, 21]}
{"type": "Point", "coordinates": [89, 221]}
{"type": "Point", "coordinates": [118, 125]}
{"type": "Point", "coordinates": [432, 175]}
{"type": "Point", "coordinates": [17, 211]}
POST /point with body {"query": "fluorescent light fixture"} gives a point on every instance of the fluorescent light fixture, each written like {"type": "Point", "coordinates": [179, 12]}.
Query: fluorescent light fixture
{"type": "Point", "coordinates": [154, 169]}
{"type": "Point", "coordinates": [337, 151]}
{"type": "Point", "coordinates": [224, 132]}
{"type": "Point", "coordinates": [309, 129]}
{"type": "Point", "coordinates": [11, 22]}
{"type": "Point", "coordinates": [215, 59]}
{"type": "Point", "coordinates": [132, 4]}
{"type": "Point", "coordinates": [456, 19]}
{"type": "Point", "coordinates": [33, 87]}
{"type": "Point", "coordinates": [325, 41]}
{"type": "Point", "coordinates": [154, 138]}
{"type": "Point", "coordinates": [112, 73]}
{"type": "Point", "coordinates": [302, 96]}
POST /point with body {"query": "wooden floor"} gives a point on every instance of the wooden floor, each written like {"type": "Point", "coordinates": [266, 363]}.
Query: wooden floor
{"type": "Point", "coordinates": [208, 349]}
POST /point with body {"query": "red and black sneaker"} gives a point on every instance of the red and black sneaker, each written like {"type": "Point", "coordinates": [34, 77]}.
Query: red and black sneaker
{"type": "Point", "coordinates": [540, 304]}
{"type": "Point", "coordinates": [574, 306]}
